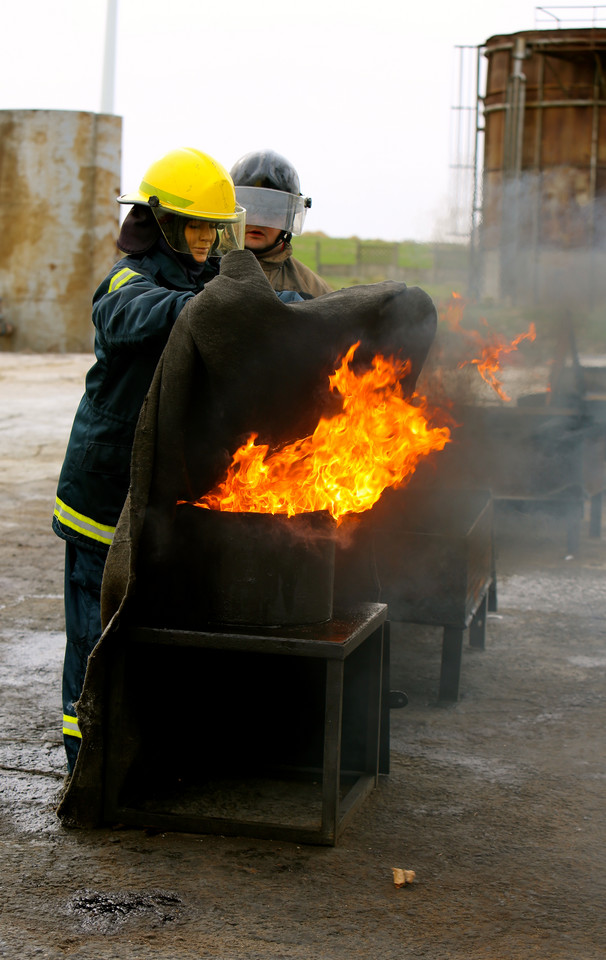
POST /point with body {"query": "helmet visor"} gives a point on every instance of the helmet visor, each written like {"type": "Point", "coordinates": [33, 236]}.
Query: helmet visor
{"type": "Point", "coordinates": [273, 208]}
{"type": "Point", "coordinates": [200, 236]}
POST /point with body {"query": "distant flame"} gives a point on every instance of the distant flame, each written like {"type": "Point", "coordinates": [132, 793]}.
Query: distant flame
{"type": "Point", "coordinates": [490, 361]}
{"type": "Point", "coordinates": [375, 442]}
{"type": "Point", "coordinates": [492, 347]}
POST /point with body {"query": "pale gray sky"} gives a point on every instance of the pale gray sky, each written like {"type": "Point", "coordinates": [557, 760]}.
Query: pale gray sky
{"type": "Point", "coordinates": [358, 95]}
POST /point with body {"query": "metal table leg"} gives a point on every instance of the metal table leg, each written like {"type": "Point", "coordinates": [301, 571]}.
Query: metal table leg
{"type": "Point", "coordinates": [477, 627]}
{"type": "Point", "coordinates": [595, 515]}
{"type": "Point", "coordinates": [450, 674]}
{"type": "Point", "coordinates": [332, 748]}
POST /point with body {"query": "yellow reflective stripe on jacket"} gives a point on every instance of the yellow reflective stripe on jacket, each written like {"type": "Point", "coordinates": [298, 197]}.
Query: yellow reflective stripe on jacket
{"type": "Point", "coordinates": [70, 726]}
{"type": "Point", "coordinates": [122, 277]}
{"type": "Point", "coordinates": [84, 525]}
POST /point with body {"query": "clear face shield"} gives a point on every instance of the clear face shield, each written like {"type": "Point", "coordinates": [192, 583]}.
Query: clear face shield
{"type": "Point", "coordinates": [274, 208]}
{"type": "Point", "coordinates": [201, 237]}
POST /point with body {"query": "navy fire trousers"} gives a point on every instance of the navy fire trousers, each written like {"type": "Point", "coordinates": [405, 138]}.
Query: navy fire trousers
{"type": "Point", "coordinates": [82, 589]}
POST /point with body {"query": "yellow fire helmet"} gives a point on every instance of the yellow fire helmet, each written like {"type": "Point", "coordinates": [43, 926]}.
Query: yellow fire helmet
{"type": "Point", "coordinates": [193, 186]}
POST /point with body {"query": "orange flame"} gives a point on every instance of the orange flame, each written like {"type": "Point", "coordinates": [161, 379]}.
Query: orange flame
{"type": "Point", "coordinates": [490, 361]}
{"type": "Point", "coordinates": [454, 310]}
{"type": "Point", "coordinates": [375, 442]}
{"type": "Point", "coordinates": [492, 347]}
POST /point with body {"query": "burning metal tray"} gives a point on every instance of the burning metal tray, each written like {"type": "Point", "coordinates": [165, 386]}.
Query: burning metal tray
{"type": "Point", "coordinates": [529, 453]}
{"type": "Point", "coordinates": [428, 555]}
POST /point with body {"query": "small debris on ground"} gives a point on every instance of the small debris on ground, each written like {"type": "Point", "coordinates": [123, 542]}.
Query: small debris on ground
{"type": "Point", "coordinates": [402, 877]}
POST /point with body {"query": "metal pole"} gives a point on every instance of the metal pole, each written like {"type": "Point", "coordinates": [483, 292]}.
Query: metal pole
{"type": "Point", "coordinates": [461, 157]}
{"type": "Point", "coordinates": [593, 177]}
{"type": "Point", "coordinates": [475, 263]}
{"type": "Point", "coordinates": [511, 256]}
{"type": "Point", "coordinates": [537, 183]}
{"type": "Point", "coordinates": [109, 58]}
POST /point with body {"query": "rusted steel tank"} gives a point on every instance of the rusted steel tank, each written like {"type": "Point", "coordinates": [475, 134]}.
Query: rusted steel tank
{"type": "Point", "coordinates": [59, 177]}
{"type": "Point", "coordinates": [544, 181]}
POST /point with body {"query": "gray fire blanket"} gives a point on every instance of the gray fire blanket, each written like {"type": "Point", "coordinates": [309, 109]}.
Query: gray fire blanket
{"type": "Point", "coordinates": [238, 361]}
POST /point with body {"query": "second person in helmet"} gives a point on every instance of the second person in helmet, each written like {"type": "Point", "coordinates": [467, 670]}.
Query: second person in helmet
{"type": "Point", "coordinates": [267, 186]}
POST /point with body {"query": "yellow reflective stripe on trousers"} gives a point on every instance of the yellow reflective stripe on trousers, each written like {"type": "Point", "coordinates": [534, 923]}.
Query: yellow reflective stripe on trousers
{"type": "Point", "coordinates": [84, 525]}
{"type": "Point", "coordinates": [70, 726]}
{"type": "Point", "coordinates": [122, 277]}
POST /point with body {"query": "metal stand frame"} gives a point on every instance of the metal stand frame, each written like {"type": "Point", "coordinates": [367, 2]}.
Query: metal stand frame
{"type": "Point", "coordinates": [452, 650]}
{"type": "Point", "coordinates": [333, 643]}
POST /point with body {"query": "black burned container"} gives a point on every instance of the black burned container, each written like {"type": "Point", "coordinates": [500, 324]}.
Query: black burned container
{"type": "Point", "coordinates": [428, 554]}
{"type": "Point", "coordinates": [251, 568]}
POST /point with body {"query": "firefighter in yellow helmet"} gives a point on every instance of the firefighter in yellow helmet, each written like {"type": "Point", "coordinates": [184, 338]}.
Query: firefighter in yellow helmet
{"type": "Point", "coordinates": [184, 216]}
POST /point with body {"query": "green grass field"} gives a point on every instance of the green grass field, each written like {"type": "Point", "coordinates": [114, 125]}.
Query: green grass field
{"type": "Point", "coordinates": [440, 270]}
{"type": "Point", "coordinates": [344, 262]}
{"type": "Point", "coordinates": [334, 250]}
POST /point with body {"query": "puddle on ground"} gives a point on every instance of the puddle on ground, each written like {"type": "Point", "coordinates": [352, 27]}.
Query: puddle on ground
{"type": "Point", "coordinates": [108, 911]}
{"type": "Point", "coordinates": [588, 662]}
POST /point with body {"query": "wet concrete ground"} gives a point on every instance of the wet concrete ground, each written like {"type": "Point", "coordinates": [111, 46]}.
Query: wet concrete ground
{"type": "Point", "coordinates": [496, 802]}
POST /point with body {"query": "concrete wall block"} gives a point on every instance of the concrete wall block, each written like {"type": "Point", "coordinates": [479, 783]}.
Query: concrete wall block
{"type": "Point", "coordinates": [59, 177]}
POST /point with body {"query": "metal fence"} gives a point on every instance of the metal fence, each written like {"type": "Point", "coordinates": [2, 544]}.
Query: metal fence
{"type": "Point", "coordinates": [386, 261]}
